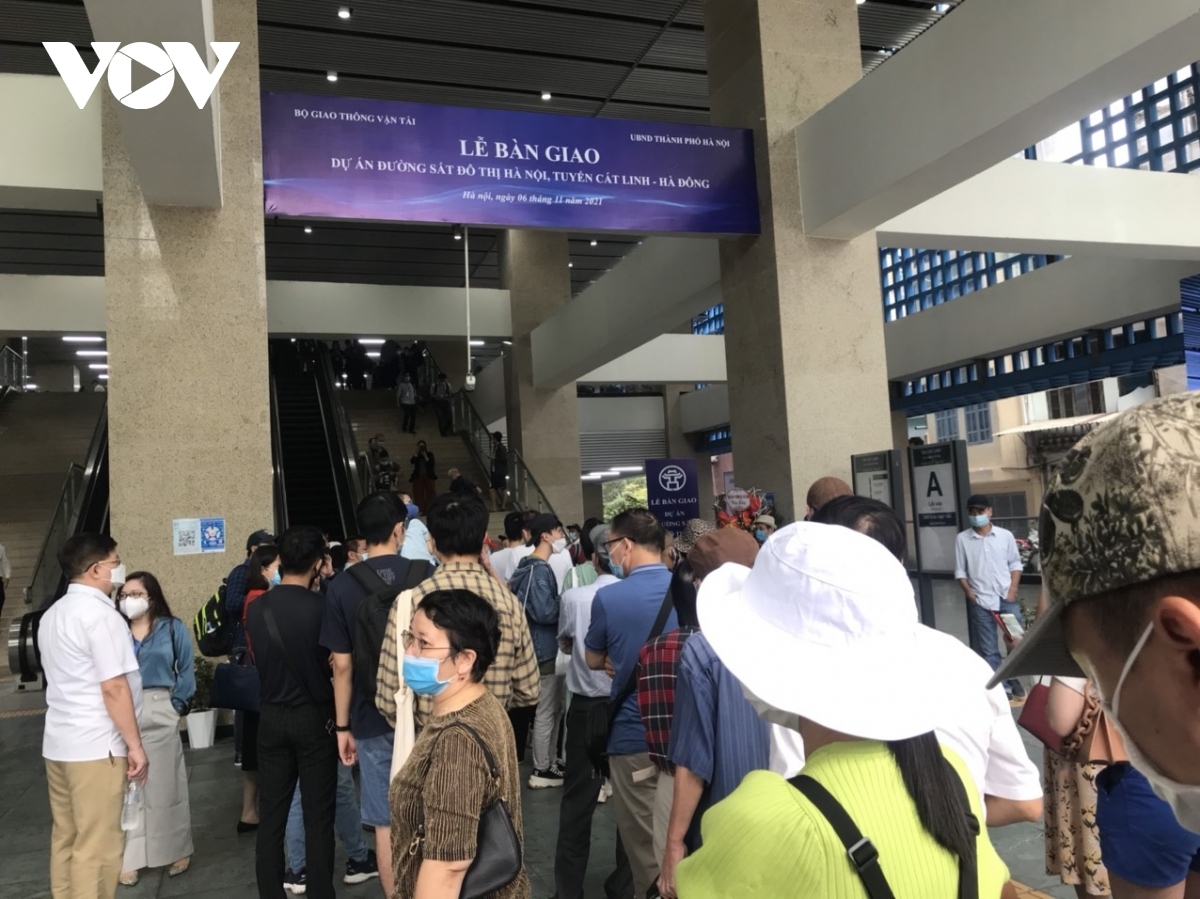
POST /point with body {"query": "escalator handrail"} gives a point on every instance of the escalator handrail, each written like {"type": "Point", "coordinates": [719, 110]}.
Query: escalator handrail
{"type": "Point", "coordinates": [349, 455]}
{"type": "Point", "coordinates": [279, 481]}
{"type": "Point", "coordinates": [74, 472]}
{"type": "Point", "coordinates": [341, 471]}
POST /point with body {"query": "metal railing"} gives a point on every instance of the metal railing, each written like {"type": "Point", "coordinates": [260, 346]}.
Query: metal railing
{"type": "Point", "coordinates": [47, 573]}
{"type": "Point", "coordinates": [278, 483]}
{"type": "Point", "coordinates": [11, 370]}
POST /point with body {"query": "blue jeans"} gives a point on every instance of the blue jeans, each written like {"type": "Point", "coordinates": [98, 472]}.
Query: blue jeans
{"type": "Point", "coordinates": [988, 634]}
{"type": "Point", "coordinates": [346, 823]}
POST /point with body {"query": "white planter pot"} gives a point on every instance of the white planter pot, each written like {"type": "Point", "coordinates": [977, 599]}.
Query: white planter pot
{"type": "Point", "coordinates": [201, 728]}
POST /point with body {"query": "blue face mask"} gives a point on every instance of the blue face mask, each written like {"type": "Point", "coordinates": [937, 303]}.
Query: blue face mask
{"type": "Point", "coordinates": [421, 675]}
{"type": "Point", "coordinates": [760, 536]}
{"type": "Point", "coordinates": [276, 578]}
{"type": "Point", "coordinates": [979, 521]}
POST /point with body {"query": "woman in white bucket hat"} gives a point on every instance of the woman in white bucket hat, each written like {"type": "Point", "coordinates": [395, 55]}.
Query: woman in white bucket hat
{"type": "Point", "coordinates": [824, 630]}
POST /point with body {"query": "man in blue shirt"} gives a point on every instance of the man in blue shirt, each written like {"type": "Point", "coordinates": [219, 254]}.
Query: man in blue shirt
{"type": "Point", "coordinates": [623, 617]}
{"type": "Point", "coordinates": [987, 565]}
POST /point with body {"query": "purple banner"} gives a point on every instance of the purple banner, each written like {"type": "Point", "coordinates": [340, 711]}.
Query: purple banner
{"type": "Point", "coordinates": [338, 157]}
{"type": "Point", "coordinates": [673, 492]}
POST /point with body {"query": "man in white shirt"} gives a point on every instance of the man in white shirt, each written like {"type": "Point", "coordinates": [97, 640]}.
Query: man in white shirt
{"type": "Point", "coordinates": [516, 536]}
{"type": "Point", "coordinates": [91, 744]}
{"type": "Point", "coordinates": [987, 565]}
{"type": "Point", "coordinates": [589, 690]}
{"type": "Point", "coordinates": [978, 725]}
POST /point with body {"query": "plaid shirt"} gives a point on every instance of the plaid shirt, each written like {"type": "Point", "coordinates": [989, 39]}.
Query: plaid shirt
{"type": "Point", "coordinates": [513, 678]}
{"type": "Point", "coordinates": [657, 664]}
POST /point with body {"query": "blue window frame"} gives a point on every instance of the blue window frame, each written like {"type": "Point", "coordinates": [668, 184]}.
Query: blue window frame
{"type": "Point", "coordinates": [947, 425]}
{"type": "Point", "coordinates": [979, 423]}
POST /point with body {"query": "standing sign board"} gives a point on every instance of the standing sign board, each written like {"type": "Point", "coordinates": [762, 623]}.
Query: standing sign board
{"type": "Point", "coordinates": [673, 492]}
{"type": "Point", "coordinates": [940, 486]}
{"type": "Point", "coordinates": [877, 475]}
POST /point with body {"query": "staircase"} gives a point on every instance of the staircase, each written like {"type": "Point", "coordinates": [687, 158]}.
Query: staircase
{"type": "Point", "coordinates": [41, 435]}
{"type": "Point", "coordinates": [374, 412]}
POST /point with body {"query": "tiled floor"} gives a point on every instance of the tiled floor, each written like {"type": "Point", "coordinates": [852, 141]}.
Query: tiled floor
{"type": "Point", "coordinates": [224, 862]}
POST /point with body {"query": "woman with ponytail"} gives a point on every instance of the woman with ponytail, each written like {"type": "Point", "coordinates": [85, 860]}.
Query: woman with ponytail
{"type": "Point", "coordinates": [823, 634]}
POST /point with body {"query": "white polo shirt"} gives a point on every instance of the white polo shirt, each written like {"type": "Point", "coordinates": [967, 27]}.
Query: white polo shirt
{"type": "Point", "coordinates": [978, 725]}
{"type": "Point", "coordinates": [84, 641]}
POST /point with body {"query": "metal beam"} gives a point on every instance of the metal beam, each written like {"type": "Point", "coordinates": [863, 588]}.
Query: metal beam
{"type": "Point", "coordinates": [989, 80]}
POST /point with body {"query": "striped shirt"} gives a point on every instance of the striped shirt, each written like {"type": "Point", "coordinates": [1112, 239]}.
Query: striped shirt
{"type": "Point", "coordinates": [513, 678]}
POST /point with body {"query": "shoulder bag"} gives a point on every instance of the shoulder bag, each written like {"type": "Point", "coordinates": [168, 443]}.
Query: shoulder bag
{"type": "Point", "coordinates": [1033, 717]}
{"type": "Point", "coordinates": [498, 860]}
{"type": "Point", "coordinates": [861, 852]}
{"type": "Point", "coordinates": [600, 718]}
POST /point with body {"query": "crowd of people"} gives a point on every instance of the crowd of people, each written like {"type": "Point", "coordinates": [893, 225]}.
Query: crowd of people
{"type": "Point", "coordinates": [763, 710]}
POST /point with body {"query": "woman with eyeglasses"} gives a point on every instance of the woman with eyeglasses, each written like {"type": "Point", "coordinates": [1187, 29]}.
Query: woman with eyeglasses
{"type": "Point", "coordinates": [164, 653]}
{"type": "Point", "coordinates": [464, 761]}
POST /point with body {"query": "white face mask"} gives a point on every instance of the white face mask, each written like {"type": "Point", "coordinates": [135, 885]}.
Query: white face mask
{"type": "Point", "coordinates": [134, 606]}
{"type": "Point", "coordinates": [117, 575]}
{"type": "Point", "coordinates": [1184, 799]}
{"type": "Point", "coordinates": [558, 545]}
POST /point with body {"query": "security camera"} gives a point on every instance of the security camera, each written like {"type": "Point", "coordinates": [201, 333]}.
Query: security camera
{"type": "Point", "coordinates": [469, 383]}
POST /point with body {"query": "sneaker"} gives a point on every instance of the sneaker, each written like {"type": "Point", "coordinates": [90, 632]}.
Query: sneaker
{"type": "Point", "coordinates": [237, 759]}
{"type": "Point", "coordinates": [361, 872]}
{"type": "Point", "coordinates": [296, 883]}
{"type": "Point", "coordinates": [551, 777]}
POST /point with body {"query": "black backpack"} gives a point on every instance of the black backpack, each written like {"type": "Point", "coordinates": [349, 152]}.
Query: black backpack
{"type": "Point", "coordinates": [211, 627]}
{"type": "Point", "coordinates": [370, 624]}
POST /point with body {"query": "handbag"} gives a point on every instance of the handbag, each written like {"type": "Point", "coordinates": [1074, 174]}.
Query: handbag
{"type": "Point", "coordinates": [600, 720]}
{"type": "Point", "coordinates": [1094, 738]}
{"type": "Point", "coordinates": [236, 687]}
{"type": "Point", "coordinates": [1033, 717]}
{"type": "Point", "coordinates": [498, 857]}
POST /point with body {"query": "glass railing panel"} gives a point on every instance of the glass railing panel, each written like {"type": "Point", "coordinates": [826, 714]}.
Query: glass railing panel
{"type": "Point", "coordinates": [47, 573]}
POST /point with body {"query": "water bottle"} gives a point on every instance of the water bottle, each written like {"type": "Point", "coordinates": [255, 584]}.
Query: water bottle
{"type": "Point", "coordinates": [132, 807]}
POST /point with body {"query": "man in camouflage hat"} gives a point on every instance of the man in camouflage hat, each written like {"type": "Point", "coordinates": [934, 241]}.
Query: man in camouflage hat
{"type": "Point", "coordinates": [1120, 534]}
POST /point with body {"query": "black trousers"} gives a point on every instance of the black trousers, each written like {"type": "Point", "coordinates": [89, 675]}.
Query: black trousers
{"type": "Point", "coordinates": [410, 418]}
{"type": "Point", "coordinates": [294, 743]}
{"type": "Point", "coordinates": [580, 791]}
{"type": "Point", "coordinates": [445, 417]}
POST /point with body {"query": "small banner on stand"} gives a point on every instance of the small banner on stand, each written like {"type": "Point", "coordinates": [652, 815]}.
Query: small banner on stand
{"type": "Point", "coordinates": [673, 492]}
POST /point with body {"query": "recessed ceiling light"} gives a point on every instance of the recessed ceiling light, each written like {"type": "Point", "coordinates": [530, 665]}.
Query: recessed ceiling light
{"type": "Point", "coordinates": [570, 265]}
{"type": "Point", "coordinates": [458, 232]}
{"type": "Point", "coordinates": [594, 243]}
{"type": "Point", "coordinates": [343, 12]}
{"type": "Point", "coordinates": [331, 75]}
{"type": "Point", "coordinates": [373, 355]}
{"type": "Point", "coordinates": [83, 340]}
{"type": "Point", "coordinates": [546, 95]}
{"type": "Point", "coordinates": [477, 342]}
{"type": "Point", "coordinates": [308, 229]}
{"type": "Point", "coordinates": [941, 7]}
{"type": "Point", "coordinates": [99, 366]}
{"type": "Point", "coordinates": [97, 354]}
{"type": "Point", "coordinates": [103, 377]}
{"type": "Point", "coordinates": [625, 468]}
{"type": "Point", "coordinates": [370, 341]}
{"type": "Point", "coordinates": [861, 2]}
{"type": "Point", "coordinates": [31, 386]}
{"type": "Point", "coordinates": [507, 342]}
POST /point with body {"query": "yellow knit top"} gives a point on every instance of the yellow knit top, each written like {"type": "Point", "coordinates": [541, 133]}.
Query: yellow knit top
{"type": "Point", "coordinates": [767, 840]}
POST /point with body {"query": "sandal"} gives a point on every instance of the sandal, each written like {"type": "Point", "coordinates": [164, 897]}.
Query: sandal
{"type": "Point", "coordinates": [179, 868]}
{"type": "Point", "coordinates": [129, 880]}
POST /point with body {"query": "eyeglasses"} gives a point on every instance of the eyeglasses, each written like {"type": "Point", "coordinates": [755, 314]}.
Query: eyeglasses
{"type": "Point", "coordinates": [132, 596]}
{"type": "Point", "coordinates": [410, 638]}
{"type": "Point", "coordinates": [608, 543]}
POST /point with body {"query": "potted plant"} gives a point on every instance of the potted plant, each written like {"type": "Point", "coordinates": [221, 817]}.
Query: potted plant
{"type": "Point", "coordinates": [202, 719]}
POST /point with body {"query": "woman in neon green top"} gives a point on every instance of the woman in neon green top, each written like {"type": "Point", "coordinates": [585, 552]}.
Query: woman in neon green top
{"type": "Point", "coordinates": [823, 635]}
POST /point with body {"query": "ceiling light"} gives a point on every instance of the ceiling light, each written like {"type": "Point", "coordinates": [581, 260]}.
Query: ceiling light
{"type": "Point", "coordinates": [331, 75]}
{"type": "Point", "coordinates": [589, 477]}
{"type": "Point", "coordinates": [941, 7]}
{"type": "Point", "coordinates": [507, 342]}
{"type": "Point", "coordinates": [98, 354]}
{"type": "Point", "coordinates": [370, 341]}
{"type": "Point", "coordinates": [861, 2]}
{"type": "Point", "coordinates": [629, 468]}
{"type": "Point", "coordinates": [477, 342]}
{"type": "Point", "coordinates": [546, 95]}
{"type": "Point", "coordinates": [373, 355]}
{"type": "Point", "coordinates": [98, 366]}
{"type": "Point", "coordinates": [458, 232]}
{"type": "Point", "coordinates": [343, 12]}
{"type": "Point", "coordinates": [83, 340]}
{"type": "Point", "coordinates": [102, 377]}
{"type": "Point", "coordinates": [596, 474]}
{"type": "Point", "coordinates": [570, 265]}
{"type": "Point", "coordinates": [308, 229]}
{"type": "Point", "coordinates": [594, 243]}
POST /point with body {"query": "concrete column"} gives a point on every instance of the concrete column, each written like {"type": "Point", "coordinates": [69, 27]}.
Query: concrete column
{"type": "Point", "coordinates": [803, 319]}
{"type": "Point", "coordinates": [679, 444]}
{"type": "Point", "coordinates": [189, 431]}
{"type": "Point", "coordinates": [543, 425]}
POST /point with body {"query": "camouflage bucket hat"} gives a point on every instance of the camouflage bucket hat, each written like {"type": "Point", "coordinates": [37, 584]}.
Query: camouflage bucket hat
{"type": "Point", "coordinates": [1123, 509]}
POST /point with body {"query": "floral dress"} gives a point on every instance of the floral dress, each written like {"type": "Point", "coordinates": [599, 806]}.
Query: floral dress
{"type": "Point", "coordinates": [1072, 839]}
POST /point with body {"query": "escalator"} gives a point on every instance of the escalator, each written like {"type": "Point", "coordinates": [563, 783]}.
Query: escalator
{"type": "Point", "coordinates": [316, 480]}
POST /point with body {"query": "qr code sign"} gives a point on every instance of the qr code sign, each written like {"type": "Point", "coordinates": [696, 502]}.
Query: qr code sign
{"type": "Point", "coordinates": [187, 539]}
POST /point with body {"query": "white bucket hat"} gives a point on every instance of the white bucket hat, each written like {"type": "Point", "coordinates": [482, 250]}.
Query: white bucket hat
{"type": "Point", "coordinates": [825, 627]}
